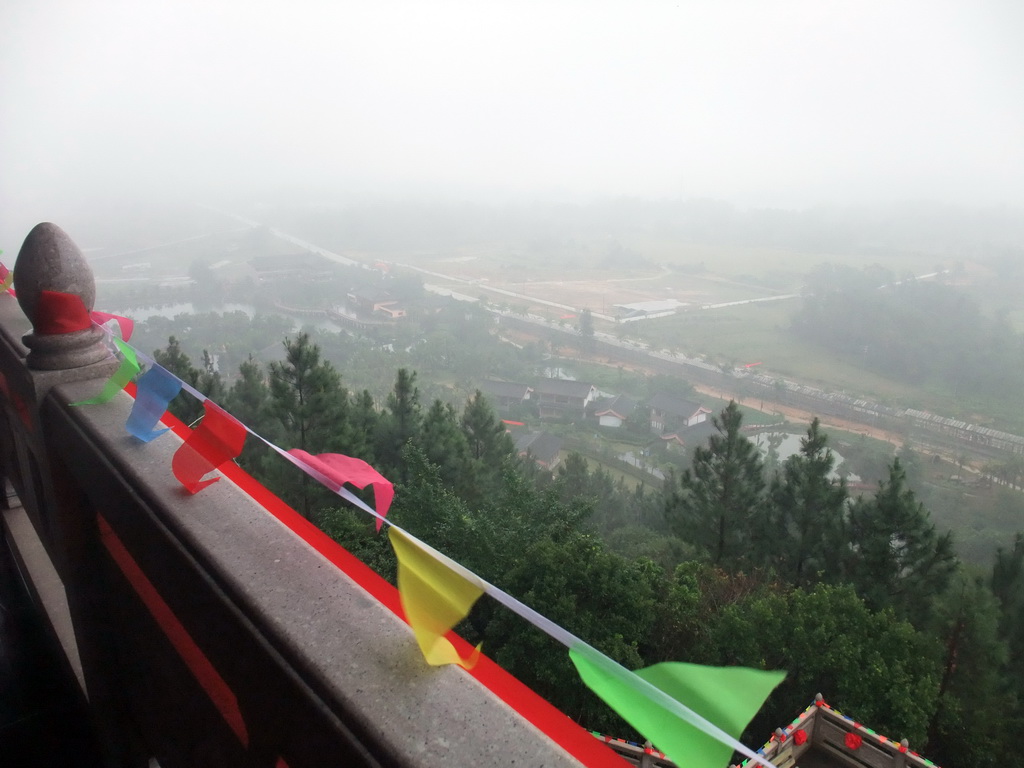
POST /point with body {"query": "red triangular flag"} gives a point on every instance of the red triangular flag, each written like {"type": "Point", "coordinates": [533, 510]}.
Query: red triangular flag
{"type": "Point", "coordinates": [217, 439]}
{"type": "Point", "coordinates": [126, 324]}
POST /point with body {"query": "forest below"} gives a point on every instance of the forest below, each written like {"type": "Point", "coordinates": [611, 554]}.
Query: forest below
{"type": "Point", "coordinates": [732, 562]}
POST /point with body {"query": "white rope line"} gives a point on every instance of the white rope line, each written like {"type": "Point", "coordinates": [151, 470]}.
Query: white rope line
{"type": "Point", "coordinates": [538, 620]}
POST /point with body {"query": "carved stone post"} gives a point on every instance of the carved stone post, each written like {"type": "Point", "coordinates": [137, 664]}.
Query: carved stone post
{"type": "Point", "coordinates": [56, 291]}
{"type": "Point", "coordinates": [900, 758]}
{"type": "Point", "coordinates": [647, 759]}
{"type": "Point", "coordinates": [50, 266]}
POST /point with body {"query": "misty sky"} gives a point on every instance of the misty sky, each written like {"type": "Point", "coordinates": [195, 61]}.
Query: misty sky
{"type": "Point", "coordinates": [767, 103]}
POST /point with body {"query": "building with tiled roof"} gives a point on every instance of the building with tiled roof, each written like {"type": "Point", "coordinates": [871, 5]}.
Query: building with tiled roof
{"type": "Point", "coordinates": [613, 411]}
{"type": "Point", "coordinates": [563, 397]}
{"type": "Point", "coordinates": [543, 447]}
{"type": "Point", "coordinates": [669, 414]}
{"type": "Point", "coordinates": [504, 394]}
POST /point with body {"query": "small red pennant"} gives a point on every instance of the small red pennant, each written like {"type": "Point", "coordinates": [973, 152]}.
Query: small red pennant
{"type": "Point", "coordinates": [59, 312]}
{"type": "Point", "coordinates": [218, 439]}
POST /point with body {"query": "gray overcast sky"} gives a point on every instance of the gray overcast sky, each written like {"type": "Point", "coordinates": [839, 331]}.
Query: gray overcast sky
{"type": "Point", "coordinates": [773, 102]}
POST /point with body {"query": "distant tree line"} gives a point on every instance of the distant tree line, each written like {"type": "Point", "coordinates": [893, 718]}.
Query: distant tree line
{"type": "Point", "coordinates": [926, 333]}
{"type": "Point", "coordinates": [860, 599]}
{"type": "Point", "coordinates": [451, 345]}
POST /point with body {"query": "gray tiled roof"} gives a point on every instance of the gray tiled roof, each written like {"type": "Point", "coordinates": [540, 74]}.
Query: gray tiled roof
{"type": "Point", "coordinates": [674, 405]}
{"type": "Point", "coordinates": [504, 389]}
{"type": "Point", "coordinates": [620, 405]}
{"type": "Point", "coordinates": [563, 387]}
{"type": "Point", "coordinates": [543, 446]}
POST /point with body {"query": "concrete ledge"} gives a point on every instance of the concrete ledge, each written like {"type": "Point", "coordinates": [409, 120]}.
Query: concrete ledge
{"type": "Point", "coordinates": [262, 586]}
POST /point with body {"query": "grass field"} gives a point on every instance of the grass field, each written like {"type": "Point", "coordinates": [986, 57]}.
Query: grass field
{"type": "Point", "coordinates": [768, 262]}
{"type": "Point", "coordinates": [695, 276]}
{"type": "Point", "coordinates": [759, 333]}
{"type": "Point", "coordinates": [630, 481]}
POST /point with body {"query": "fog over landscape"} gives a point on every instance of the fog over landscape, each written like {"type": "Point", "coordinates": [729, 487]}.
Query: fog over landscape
{"type": "Point", "coordinates": [700, 323]}
{"type": "Point", "coordinates": [787, 104]}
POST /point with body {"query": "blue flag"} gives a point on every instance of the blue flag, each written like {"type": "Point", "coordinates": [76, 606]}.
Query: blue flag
{"type": "Point", "coordinates": [155, 389]}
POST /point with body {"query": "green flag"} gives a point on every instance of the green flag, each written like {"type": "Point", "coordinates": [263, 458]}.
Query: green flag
{"type": "Point", "coordinates": [125, 373]}
{"type": "Point", "coordinates": [726, 697]}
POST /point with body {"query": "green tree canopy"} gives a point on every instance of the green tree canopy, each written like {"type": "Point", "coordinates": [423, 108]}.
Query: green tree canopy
{"type": "Point", "coordinates": [718, 503]}
{"type": "Point", "coordinates": [807, 508]}
{"type": "Point", "coordinates": [310, 408]}
{"type": "Point", "coordinates": [248, 400]}
{"type": "Point", "coordinates": [897, 558]}
{"type": "Point", "coordinates": [399, 422]}
{"type": "Point", "coordinates": [174, 359]}
{"type": "Point", "coordinates": [972, 723]}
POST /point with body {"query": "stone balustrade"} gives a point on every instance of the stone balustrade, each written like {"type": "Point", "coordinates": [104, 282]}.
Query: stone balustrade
{"type": "Point", "coordinates": [212, 630]}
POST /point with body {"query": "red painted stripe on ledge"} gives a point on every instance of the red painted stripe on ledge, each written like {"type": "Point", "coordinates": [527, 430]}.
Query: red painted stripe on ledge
{"type": "Point", "coordinates": [547, 718]}
{"type": "Point", "coordinates": [205, 673]}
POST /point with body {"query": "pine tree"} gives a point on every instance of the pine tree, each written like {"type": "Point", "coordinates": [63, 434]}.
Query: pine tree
{"type": "Point", "coordinates": [444, 444]}
{"type": "Point", "coordinates": [573, 477]}
{"type": "Point", "coordinates": [488, 440]}
{"type": "Point", "coordinates": [363, 419]}
{"type": "Point", "coordinates": [249, 396]}
{"type": "Point", "coordinates": [806, 540]}
{"type": "Point", "coordinates": [310, 408]}
{"type": "Point", "coordinates": [399, 423]}
{"type": "Point", "coordinates": [1008, 586]}
{"type": "Point", "coordinates": [308, 399]}
{"type": "Point", "coordinates": [975, 703]}
{"type": "Point", "coordinates": [173, 358]}
{"type": "Point", "coordinates": [490, 447]}
{"type": "Point", "coordinates": [210, 382]}
{"type": "Point", "coordinates": [248, 401]}
{"type": "Point", "coordinates": [897, 558]}
{"type": "Point", "coordinates": [716, 503]}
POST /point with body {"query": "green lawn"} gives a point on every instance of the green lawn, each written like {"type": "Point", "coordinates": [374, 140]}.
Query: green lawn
{"type": "Point", "coordinates": [616, 474]}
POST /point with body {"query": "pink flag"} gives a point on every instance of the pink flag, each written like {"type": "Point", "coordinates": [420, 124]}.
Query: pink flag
{"type": "Point", "coordinates": [334, 470]}
{"type": "Point", "coordinates": [218, 439]}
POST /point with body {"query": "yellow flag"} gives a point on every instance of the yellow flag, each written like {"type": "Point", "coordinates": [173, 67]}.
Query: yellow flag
{"type": "Point", "coordinates": [436, 594]}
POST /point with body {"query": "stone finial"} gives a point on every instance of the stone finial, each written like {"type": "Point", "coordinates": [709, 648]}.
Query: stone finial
{"type": "Point", "coordinates": [50, 261]}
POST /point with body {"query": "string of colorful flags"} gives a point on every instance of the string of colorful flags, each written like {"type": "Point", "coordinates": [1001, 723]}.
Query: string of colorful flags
{"type": "Point", "coordinates": [694, 713]}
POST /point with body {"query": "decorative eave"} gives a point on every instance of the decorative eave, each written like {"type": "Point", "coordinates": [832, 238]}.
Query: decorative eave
{"type": "Point", "coordinates": [838, 739]}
